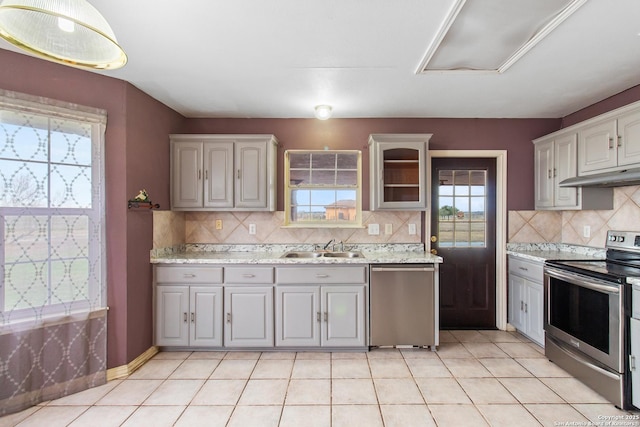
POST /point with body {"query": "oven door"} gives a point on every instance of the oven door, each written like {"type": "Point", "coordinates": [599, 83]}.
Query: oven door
{"type": "Point", "coordinates": [585, 314]}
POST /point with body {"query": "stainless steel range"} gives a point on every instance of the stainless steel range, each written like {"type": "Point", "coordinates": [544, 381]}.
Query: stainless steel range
{"type": "Point", "coordinates": [586, 316]}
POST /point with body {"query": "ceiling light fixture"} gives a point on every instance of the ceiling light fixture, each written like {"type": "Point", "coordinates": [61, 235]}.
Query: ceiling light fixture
{"type": "Point", "coordinates": [70, 32]}
{"type": "Point", "coordinates": [323, 112]}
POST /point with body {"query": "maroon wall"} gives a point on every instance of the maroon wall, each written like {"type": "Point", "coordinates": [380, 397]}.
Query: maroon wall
{"type": "Point", "coordinates": [616, 101]}
{"type": "Point", "coordinates": [137, 126]}
{"type": "Point", "coordinates": [513, 135]}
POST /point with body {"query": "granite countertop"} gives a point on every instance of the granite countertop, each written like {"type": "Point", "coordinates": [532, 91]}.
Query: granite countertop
{"type": "Point", "coordinates": [272, 254]}
{"type": "Point", "coordinates": [542, 252]}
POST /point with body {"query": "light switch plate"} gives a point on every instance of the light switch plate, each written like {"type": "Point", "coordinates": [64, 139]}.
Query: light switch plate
{"type": "Point", "coordinates": [412, 230]}
{"type": "Point", "coordinates": [388, 229]}
{"type": "Point", "coordinates": [374, 229]}
{"type": "Point", "coordinates": [218, 224]}
{"type": "Point", "coordinates": [252, 229]}
{"type": "Point", "coordinates": [586, 231]}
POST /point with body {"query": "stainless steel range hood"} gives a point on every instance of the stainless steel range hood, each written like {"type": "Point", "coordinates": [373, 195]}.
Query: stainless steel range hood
{"type": "Point", "coordinates": [619, 178]}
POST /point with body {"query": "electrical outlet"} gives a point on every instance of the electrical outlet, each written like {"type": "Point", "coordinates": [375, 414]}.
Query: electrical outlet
{"type": "Point", "coordinates": [388, 229]}
{"type": "Point", "coordinates": [252, 229]}
{"type": "Point", "coordinates": [586, 231]}
{"type": "Point", "coordinates": [412, 230]}
{"type": "Point", "coordinates": [218, 224]}
{"type": "Point", "coordinates": [374, 229]}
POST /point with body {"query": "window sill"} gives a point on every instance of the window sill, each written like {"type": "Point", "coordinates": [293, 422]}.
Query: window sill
{"type": "Point", "coordinates": [318, 225]}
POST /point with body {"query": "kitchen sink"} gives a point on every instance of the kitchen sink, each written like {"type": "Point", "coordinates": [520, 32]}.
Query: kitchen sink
{"type": "Point", "coordinates": [343, 255]}
{"type": "Point", "coordinates": [317, 254]}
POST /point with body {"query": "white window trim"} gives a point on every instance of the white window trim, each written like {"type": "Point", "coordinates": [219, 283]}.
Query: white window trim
{"type": "Point", "coordinates": [357, 223]}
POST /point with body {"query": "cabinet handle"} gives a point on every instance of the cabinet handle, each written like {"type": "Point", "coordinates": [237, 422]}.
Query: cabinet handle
{"type": "Point", "coordinates": [322, 276]}
{"type": "Point", "coordinates": [228, 317]}
{"type": "Point", "coordinates": [526, 308]}
{"type": "Point", "coordinates": [555, 172]}
{"type": "Point", "coordinates": [188, 275]}
{"type": "Point", "coordinates": [523, 268]}
{"type": "Point", "coordinates": [549, 173]}
{"type": "Point", "coordinates": [185, 317]}
{"type": "Point", "coordinates": [610, 143]}
{"type": "Point", "coordinates": [318, 316]}
{"type": "Point", "coordinates": [326, 316]}
{"type": "Point", "coordinates": [521, 305]}
{"type": "Point", "coordinates": [238, 173]}
{"type": "Point", "coordinates": [199, 174]}
{"type": "Point", "coordinates": [248, 275]}
{"type": "Point", "coordinates": [619, 141]}
{"type": "Point", "coordinates": [206, 174]}
{"type": "Point", "coordinates": [193, 318]}
{"type": "Point", "coordinates": [632, 362]}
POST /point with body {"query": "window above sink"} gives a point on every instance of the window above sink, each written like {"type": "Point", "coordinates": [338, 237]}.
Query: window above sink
{"type": "Point", "coordinates": [323, 188]}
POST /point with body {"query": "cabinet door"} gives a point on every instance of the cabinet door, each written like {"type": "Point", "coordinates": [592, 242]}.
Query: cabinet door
{"type": "Point", "coordinates": [565, 166]}
{"type": "Point", "coordinates": [597, 148]}
{"type": "Point", "coordinates": [205, 316]}
{"type": "Point", "coordinates": [186, 180]}
{"type": "Point", "coordinates": [218, 178]}
{"type": "Point", "coordinates": [544, 174]}
{"type": "Point", "coordinates": [251, 174]}
{"type": "Point", "coordinates": [343, 316]}
{"type": "Point", "coordinates": [399, 178]}
{"type": "Point", "coordinates": [534, 309]}
{"type": "Point", "coordinates": [516, 301]}
{"type": "Point", "coordinates": [629, 139]}
{"type": "Point", "coordinates": [172, 324]}
{"type": "Point", "coordinates": [634, 362]}
{"type": "Point", "coordinates": [298, 316]}
{"type": "Point", "coordinates": [248, 316]}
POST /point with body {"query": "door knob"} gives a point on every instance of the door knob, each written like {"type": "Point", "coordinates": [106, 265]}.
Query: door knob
{"type": "Point", "coordinates": [434, 252]}
{"type": "Point", "coordinates": [434, 239]}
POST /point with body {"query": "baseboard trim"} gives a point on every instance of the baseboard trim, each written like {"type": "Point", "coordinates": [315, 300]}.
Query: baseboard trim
{"type": "Point", "coordinates": [128, 369]}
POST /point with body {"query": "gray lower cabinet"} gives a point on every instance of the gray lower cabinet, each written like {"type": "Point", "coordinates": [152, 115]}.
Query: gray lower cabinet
{"type": "Point", "coordinates": [188, 316]}
{"type": "Point", "coordinates": [188, 306]}
{"type": "Point", "coordinates": [321, 306]}
{"type": "Point", "coordinates": [248, 318]}
{"type": "Point", "coordinates": [526, 299]}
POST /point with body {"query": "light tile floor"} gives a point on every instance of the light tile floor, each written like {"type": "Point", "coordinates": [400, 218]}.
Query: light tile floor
{"type": "Point", "coordinates": [476, 378]}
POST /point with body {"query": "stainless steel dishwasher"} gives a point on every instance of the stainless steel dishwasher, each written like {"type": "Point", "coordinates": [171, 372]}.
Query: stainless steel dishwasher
{"type": "Point", "coordinates": [404, 305]}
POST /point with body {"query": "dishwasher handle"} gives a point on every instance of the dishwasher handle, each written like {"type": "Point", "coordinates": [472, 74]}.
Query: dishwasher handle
{"type": "Point", "coordinates": [402, 269]}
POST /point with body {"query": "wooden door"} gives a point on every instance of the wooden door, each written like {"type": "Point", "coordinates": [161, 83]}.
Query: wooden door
{"type": "Point", "coordinates": [629, 139]}
{"type": "Point", "coordinates": [463, 228]}
{"type": "Point", "coordinates": [544, 174]}
{"type": "Point", "coordinates": [565, 166]}
{"type": "Point", "coordinates": [597, 147]}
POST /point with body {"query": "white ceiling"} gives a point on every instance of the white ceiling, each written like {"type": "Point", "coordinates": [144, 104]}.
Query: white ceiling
{"type": "Point", "coordinates": [256, 58]}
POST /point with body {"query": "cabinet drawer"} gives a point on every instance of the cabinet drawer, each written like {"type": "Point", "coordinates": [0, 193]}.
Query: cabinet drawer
{"type": "Point", "coordinates": [189, 274]}
{"type": "Point", "coordinates": [319, 275]}
{"type": "Point", "coordinates": [244, 275]}
{"type": "Point", "coordinates": [530, 270]}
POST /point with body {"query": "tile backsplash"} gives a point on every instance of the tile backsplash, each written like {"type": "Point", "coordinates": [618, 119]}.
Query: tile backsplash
{"type": "Point", "coordinates": [174, 228]}
{"type": "Point", "coordinates": [568, 226]}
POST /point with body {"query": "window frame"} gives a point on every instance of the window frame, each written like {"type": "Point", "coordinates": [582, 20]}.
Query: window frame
{"type": "Point", "coordinates": [288, 222]}
{"type": "Point", "coordinates": [96, 257]}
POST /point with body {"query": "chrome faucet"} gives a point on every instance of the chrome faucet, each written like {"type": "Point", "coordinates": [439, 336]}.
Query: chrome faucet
{"type": "Point", "coordinates": [328, 244]}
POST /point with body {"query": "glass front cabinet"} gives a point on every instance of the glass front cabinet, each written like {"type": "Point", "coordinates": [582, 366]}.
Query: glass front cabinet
{"type": "Point", "coordinates": [398, 171]}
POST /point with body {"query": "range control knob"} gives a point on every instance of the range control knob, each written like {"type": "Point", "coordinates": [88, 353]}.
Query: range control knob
{"type": "Point", "coordinates": [612, 238]}
{"type": "Point", "coordinates": [620, 238]}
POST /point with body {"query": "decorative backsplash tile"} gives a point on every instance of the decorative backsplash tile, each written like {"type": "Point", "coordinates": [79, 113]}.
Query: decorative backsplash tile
{"type": "Point", "coordinates": [568, 226]}
{"type": "Point", "coordinates": [200, 227]}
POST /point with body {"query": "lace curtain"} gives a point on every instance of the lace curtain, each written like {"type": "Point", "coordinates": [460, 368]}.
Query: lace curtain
{"type": "Point", "coordinates": [52, 251]}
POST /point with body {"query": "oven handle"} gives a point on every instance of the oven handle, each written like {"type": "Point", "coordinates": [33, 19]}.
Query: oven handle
{"type": "Point", "coordinates": [583, 281]}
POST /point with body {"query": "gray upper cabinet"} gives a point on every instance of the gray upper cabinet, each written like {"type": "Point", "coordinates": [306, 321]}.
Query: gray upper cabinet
{"type": "Point", "coordinates": [223, 172]}
{"type": "Point", "coordinates": [398, 171]}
